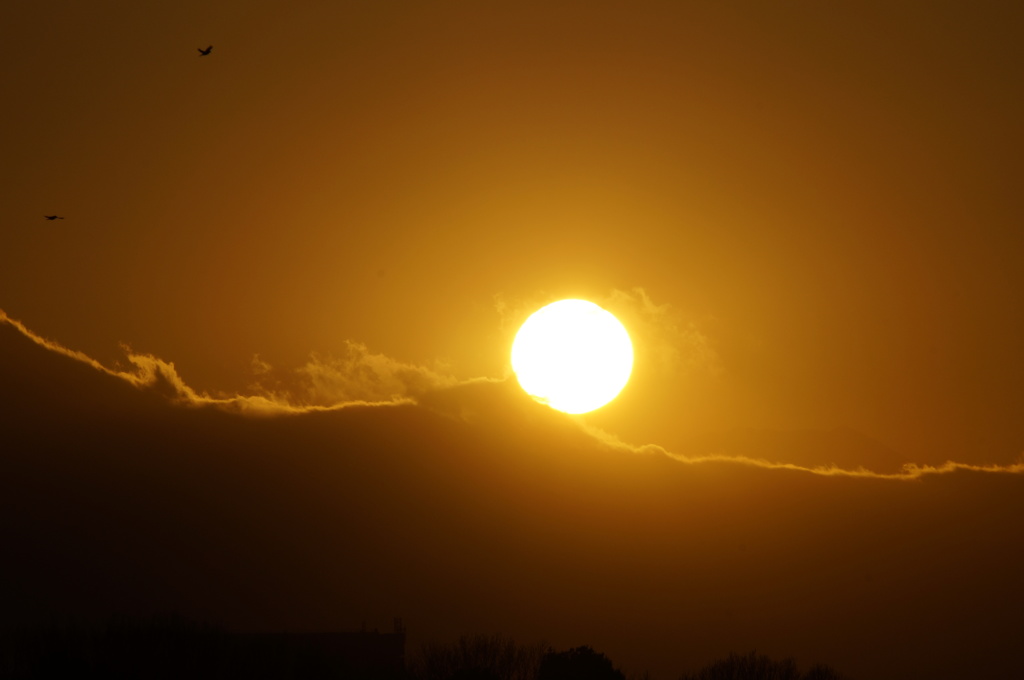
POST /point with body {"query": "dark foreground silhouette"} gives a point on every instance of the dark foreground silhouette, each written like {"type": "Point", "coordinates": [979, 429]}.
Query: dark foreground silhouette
{"type": "Point", "coordinates": [753, 666]}
{"type": "Point", "coordinates": [53, 217]}
{"type": "Point", "coordinates": [495, 657]}
{"type": "Point", "coordinates": [174, 647]}
{"type": "Point", "coordinates": [203, 53]}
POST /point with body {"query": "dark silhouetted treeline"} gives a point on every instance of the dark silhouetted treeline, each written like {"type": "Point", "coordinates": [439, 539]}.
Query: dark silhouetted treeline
{"type": "Point", "coordinates": [754, 666]}
{"type": "Point", "coordinates": [495, 657]}
{"type": "Point", "coordinates": [478, 656]}
{"type": "Point", "coordinates": [172, 647]}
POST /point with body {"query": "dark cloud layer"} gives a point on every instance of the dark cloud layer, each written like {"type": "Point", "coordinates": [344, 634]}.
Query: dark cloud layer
{"type": "Point", "coordinates": [473, 509]}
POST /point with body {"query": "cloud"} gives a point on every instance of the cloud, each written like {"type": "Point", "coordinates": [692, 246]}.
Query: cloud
{"type": "Point", "coordinates": [672, 343]}
{"type": "Point", "coordinates": [362, 378]}
{"type": "Point", "coordinates": [259, 366]}
{"type": "Point", "coordinates": [160, 377]}
{"type": "Point", "coordinates": [910, 471]}
{"type": "Point", "coordinates": [51, 345]}
{"type": "Point", "coordinates": [466, 506]}
{"type": "Point", "coordinates": [357, 378]}
{"type": "Point", "coordinates": [907, 471]}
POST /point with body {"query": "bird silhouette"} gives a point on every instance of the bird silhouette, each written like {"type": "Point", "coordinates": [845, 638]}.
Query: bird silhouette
{"type": "Point", "coordinates": [202, 52]}
{"type": "Point", "coordinates": [53, 217]}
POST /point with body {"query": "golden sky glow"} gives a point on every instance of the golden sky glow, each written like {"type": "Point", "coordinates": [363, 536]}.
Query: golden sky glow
{"type": "Point", "coordinates": [807, 217]}
{"type": "Point", "coordinates": [818, 200]}
{"type": "Point", "coordinates": [830, 216]}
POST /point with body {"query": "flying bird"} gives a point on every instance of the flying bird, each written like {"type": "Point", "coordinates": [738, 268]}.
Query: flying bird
{"type": "Point", "coordinates": [202, 52]}
{"type": "Point", "coordinates": [53, 217]}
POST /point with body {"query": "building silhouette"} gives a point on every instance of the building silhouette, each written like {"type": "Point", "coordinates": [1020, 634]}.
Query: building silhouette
{"type": "Point", "coordinates": [173, 647]}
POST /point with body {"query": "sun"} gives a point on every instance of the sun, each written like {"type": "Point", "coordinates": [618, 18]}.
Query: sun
{"type": "Point", "coordinates": [573, 356]}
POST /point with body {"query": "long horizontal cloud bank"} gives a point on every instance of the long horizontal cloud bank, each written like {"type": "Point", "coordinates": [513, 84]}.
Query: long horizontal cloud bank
{"type": "Point", "coordinates": [361, 378]}
{"type": "Point", "coordinates": [466, 507]}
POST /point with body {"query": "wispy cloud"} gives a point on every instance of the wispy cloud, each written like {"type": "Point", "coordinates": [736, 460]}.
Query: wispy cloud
{"type": "Point", "coordinates": [672, 342]}
{"type": "Point", "coordinates": [908, 471]}
{"type": "Point", "coordinates": [361, 375]}
{"type": "Point", "coordinates": [51, 345]}
{"type": "Point", "coordinates": [358, 377]}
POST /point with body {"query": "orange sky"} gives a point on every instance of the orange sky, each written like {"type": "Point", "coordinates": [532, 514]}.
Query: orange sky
{"type": "Point", "coordinates": [808, 216]}
{"type": "Point", "coordinates": [826, 196]}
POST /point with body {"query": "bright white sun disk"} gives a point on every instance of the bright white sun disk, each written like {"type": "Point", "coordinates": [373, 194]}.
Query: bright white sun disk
{"type": "Point", "coordinates": [573, 356]}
